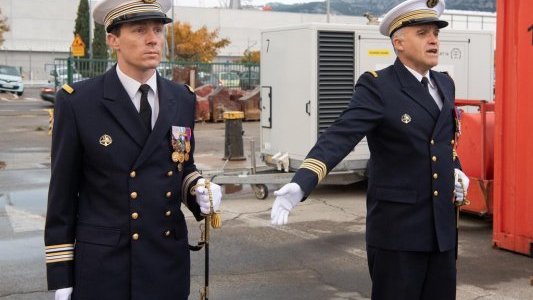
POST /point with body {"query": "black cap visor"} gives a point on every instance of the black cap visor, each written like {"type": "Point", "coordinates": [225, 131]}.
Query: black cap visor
{"type": "Point", "coordinates": [128, 18]}
{"type": "Point", "coordinates": [439, 23]}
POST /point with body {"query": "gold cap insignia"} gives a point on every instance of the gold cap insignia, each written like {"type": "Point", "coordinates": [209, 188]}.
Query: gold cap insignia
{"type": "Point", "coordinates": [432, 3]}
{"type": "Point", "coordinates": [105, 140]}
{"type": "Point", "coordinates": [406, 118]}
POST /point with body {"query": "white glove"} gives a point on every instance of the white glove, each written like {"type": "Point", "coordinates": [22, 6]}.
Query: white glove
{"type": "Point", "coordinates": [461, 188]}
{"type": "Point", "coordinates": [286, 199]}
{"type": "Point", "coordinates": [63, 294]}
{"type": "Point", "coordinates": [202, 196]}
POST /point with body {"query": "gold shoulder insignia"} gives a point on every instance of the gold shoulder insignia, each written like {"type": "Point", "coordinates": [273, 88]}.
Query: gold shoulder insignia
{"type": "Point", "coordinates": [190, 88]}
{"type": "Point", "coordinates": [68, 88]}
{"type": "Point", "coordinates": [374, 73]}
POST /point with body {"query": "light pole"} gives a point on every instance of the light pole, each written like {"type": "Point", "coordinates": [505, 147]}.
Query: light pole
{"type": "Point", "coordinates": [172, 35]}
{"type": "Point", "coordinates": [91, 36]}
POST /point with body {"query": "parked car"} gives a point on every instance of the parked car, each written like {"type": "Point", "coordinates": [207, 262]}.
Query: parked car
{"type": "Point", "coordinates": [228, 79]}
{"type": "Point", "coordinates": [59, 75]}
{"type": "Point", "coordinates": [249, 79]}
{"type": "Point", "coordinates": [207, 78]}
{"type": "Point", "coordinates": [165, 71]}
{"type": "Point", "coordinates": [48, 93]}
{"type": "Point", "coordinates": [11, 80]}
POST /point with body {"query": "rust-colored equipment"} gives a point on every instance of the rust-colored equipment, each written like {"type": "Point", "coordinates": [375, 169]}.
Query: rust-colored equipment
{"type": "Point", "coordinates": [476, 151]}
{"type": "Point", "coordinates": [513, 159]}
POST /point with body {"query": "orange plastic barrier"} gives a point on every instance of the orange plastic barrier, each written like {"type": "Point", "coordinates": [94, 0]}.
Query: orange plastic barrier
{"type": "Point", "coordinates": [476, 152]}
{"type": "Point", "coordinates": [513, 148]}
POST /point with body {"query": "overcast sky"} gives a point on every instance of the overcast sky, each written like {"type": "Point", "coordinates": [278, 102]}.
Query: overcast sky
{"type": "Point", "coordinates": [220, 3]}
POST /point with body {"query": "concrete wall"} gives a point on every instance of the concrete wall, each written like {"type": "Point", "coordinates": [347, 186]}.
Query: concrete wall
{"type": "Point", "coordinates": [243, 27]}
{"type": "Point", "coordinates": [36, 65]}
{"type": "Point", "coordinates": [39, 25]}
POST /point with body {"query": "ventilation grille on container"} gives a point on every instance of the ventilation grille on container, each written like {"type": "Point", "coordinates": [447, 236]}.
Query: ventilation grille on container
{"type": "Point", "coordinates": [336, 67]}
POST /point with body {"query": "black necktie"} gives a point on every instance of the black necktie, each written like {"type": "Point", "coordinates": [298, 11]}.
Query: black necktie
{"type": "Point", "coordinates": [145, 111]}
{"type": "Point", "coordinates": [425, 83]}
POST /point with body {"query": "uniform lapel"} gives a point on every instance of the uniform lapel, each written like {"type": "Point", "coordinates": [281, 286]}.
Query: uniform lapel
{"type": "Point", "coordinates": [119, 104]}
{"type": "Point", "coordinates": [167, 109]}
{"type": "Point", "coordinates": [415, 90]}
{"type": "Point", "coordinates": [447, 101]}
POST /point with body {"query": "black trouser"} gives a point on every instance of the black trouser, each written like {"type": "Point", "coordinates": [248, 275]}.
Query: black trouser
{"type": "Point", "coordinates": [409, 275]}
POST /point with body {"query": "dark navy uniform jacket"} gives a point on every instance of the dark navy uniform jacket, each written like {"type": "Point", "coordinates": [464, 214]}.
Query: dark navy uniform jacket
{"type": "Point", "coordinates": [411, 167]}
{"type": "Point", "coordinates": [114, 226]}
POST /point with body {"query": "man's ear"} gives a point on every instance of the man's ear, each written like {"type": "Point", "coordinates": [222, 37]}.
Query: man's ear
{"type": "Point", "coordinates": [112, 41]}
{"type": "Point", "coordinates": [397, 44]}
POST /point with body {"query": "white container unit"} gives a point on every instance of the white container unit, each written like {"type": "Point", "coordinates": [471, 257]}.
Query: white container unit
{"type": "Point", "coordinates": [308, 73]}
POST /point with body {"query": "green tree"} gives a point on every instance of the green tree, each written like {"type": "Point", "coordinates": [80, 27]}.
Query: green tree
{"type": "Point", "coordinates": [99, 43]}
{"type": "Point", "coordinates": [201, 45]}
{"type": "Point", "coordinates": [81, 26]}
{"type": "Point", "coordinates": [3, 27]}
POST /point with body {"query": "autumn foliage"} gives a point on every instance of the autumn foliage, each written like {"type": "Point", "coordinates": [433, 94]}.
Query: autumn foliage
{"type": "Point", "coordinates": [251, 57]}
{"type": "Point", "coordinates": [3, 27]}
{"type": "Point", "coordinates": [201, 45]}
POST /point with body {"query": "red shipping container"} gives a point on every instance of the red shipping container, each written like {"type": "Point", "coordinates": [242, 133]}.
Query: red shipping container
{"type": "Point", "coordinates": [513, 164]}
{"type": "Point", "coordinates": [476, 152]}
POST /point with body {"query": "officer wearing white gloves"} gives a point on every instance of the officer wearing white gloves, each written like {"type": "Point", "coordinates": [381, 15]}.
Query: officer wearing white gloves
{"type": "Point", "coordinates": [123, 170]}
{"type": "Point", "coordinates": [407, 113]}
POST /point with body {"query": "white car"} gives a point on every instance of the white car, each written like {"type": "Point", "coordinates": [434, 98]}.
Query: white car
{"type": "Point", "coordinates": [59, 75]}
{"type": "Point", "coordinates": [11, 80]}
{"type": "Point", "coordinates": [229, 79]}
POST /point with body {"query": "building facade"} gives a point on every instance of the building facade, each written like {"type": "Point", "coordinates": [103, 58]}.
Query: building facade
{"type": "Point", "coordinates": [43, 30]}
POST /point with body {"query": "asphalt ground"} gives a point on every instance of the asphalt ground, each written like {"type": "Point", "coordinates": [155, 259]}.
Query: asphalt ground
{"type": "Point", "coordinates": [319, 255]}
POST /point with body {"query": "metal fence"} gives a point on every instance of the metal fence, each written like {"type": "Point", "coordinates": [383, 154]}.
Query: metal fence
{"type": "Point", "coordinates": [230, 75]}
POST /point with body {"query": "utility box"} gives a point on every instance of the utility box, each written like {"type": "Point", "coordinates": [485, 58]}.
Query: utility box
{"type": "Point", "coordinates": [308, 73]}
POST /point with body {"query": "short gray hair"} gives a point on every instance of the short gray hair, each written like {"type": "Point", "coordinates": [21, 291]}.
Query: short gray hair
{"type": "Point", "coordinates": [398, 34]}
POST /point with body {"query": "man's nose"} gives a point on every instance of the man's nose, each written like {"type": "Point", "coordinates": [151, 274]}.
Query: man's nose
{"type": "Point", "coordinates": [433, 38]}
{"type": "Point", "coordinates": [151, 37]}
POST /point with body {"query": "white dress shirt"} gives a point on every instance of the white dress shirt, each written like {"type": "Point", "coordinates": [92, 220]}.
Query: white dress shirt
{"type": "Point", "coordinates": [433, 90]}
{"type": "Point", "coordinates": [132, 88]}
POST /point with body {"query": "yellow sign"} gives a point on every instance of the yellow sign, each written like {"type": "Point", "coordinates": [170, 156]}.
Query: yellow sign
{"type": "Point", "coordinates": [378, 52]}
{"type": "Point", "coordinates": [78, 46]}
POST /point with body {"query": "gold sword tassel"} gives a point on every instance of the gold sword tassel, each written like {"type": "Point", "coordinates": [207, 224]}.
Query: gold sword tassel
{"type": "Point", "coordinates": [212, 219]}
{"type": "Point", "coordinates": [216, 221]}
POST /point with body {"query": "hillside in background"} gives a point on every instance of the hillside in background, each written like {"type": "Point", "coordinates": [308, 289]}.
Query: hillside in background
{"type": "Point", "coordinates": [376, 7]}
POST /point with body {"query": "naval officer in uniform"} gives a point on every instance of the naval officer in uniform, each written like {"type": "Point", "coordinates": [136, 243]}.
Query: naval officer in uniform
{"type": "Point", "coordinates": [122, 166]}
{"type": "Point", "coordinates": [407, 113]}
